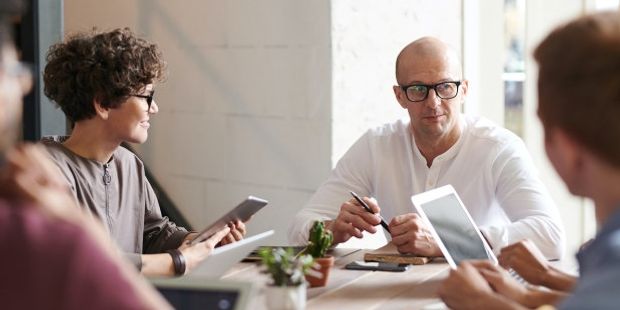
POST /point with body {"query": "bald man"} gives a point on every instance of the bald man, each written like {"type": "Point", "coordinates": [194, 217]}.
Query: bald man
{"type": "Point", "coordinates": [488, 166]}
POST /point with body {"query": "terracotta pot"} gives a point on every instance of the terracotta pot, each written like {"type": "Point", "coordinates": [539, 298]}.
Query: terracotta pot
{"type": "Point", "coordinates": [325, 265]}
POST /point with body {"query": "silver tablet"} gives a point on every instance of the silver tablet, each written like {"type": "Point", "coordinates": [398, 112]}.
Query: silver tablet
{"type": "Point", "coordinates": [242, 212]}
{"type": "Point", "coordinates": [452, 227]}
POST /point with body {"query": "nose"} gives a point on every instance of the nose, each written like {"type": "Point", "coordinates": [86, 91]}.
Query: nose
{"type": "Point", "coordinates": [154, 108]}
{"type": "Point", "coordinates": [432, 100]}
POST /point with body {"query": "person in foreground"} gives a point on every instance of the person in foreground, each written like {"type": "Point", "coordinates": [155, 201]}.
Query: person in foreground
{"type": "Point", "coordinates": [578, 104]}
{"type": "Point", "coordinates": [105, 83]}
{"type": "Point", "coordinates": [48, 248]}
{"type": "Point", "coordinates": [488, 166]}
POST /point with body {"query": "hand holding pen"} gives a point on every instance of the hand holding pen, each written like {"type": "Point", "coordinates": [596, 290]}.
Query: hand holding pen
{"type": "Point", "coordinates": [365, 206]}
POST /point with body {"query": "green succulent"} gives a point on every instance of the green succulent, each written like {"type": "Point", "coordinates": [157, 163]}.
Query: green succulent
{"type": "Point", "coordinates": [319, 240]}
{"type": "Point", "coordinates": [285, 268]}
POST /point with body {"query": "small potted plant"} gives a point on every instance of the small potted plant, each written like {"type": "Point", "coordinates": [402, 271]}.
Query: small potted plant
{"type": "Point", "coordinates": [287, 270]}
{"type": "Point", "coordinates": [319, 241]}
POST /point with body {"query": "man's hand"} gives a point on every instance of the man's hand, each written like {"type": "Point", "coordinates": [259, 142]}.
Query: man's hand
{"type": "Point", "coordinates": [353, 219]}
{"type": "Point", "coordinates": [410, 235]}
{"type": "Point", "coordinates": [194, 254]}
{"type": "Point", "coordinates": [237, 231]}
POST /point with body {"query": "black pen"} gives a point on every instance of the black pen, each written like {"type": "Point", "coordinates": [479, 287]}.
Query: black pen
{"type": "Point", "coordinates": [383, 223]}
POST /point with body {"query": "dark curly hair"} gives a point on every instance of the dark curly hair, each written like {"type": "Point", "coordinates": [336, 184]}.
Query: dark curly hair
{"type": "Point", "coordinates": [106, 66]}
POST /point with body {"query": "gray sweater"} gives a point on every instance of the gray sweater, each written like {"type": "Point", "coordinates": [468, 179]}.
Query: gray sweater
{"type": "Point", "coordinates": [119, 194]}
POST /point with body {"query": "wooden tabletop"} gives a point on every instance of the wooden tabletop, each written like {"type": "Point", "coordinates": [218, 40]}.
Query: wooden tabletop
{"type": "Point", "coordinates": [359, 289]}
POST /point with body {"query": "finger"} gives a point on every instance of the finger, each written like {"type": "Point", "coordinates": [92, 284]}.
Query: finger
{"type": "Point", "coordinates": [236, 235]}
{"type": "Point", "coordinates": [217, 237]}
{"type": "Point", "coordinates": [346, 228]}
{"type": "Point", "coordinates": [240, 226]}
{"type": "Point", "coordinates": [483, 264]}
{"type": "Point", "coordinates": [372, 204]}
{"type": "Point", "coordinates": [227, 240]}
{"type": "Point", "coordinates": [370, 218]}
{"type": "Point", "coordinates": [358, 221]}
{"type": "Point", "coordinates": [405, 223]}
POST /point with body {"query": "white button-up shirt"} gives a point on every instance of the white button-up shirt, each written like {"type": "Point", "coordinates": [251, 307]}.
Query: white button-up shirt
{"type": "Point", "coordinates": [488, 166]}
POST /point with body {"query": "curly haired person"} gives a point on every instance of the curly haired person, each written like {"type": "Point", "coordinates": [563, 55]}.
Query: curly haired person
{"type": "Point", "coordinates": [104, 82]}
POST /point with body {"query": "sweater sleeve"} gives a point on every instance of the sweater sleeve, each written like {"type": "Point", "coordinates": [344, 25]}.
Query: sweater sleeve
{"type": "Point", "coordinates": [160, 234]}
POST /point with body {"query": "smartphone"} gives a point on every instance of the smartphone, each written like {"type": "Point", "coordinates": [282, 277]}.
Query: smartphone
{"type": "Point", "coordinates": [378, 266]}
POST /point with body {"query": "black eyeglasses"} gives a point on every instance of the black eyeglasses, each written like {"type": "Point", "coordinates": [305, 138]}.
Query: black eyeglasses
{"type": "Point", "coordinates": [149, 99]}
{"type": "Point", "coordinates": [443, 90]}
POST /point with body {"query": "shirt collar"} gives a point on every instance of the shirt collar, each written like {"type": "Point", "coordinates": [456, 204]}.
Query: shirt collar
{"type": "Point", "coordinates": [451, 152]}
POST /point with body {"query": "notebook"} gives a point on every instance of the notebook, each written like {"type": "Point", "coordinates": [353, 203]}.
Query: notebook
{"type": "Point", "coordinates": [226, 256]}
{"type": "Point", "coordinates": [389, 254]}
{"type": "Point", "coordinates": [452, 227]}
{"type": "Point", "coordinates": [194, 293]}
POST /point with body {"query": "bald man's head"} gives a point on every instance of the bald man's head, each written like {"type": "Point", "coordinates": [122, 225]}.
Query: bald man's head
{"type": "Point", "coordinates": [424, 50]}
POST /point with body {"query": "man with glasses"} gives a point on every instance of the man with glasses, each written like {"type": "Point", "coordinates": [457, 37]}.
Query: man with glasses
{"type": "Point", "coordinates": [488, 166]}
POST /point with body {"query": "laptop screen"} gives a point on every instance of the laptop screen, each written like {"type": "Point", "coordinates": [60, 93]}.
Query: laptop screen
{"type": "Point", "coordinates": [458, 234]}
{"type": "Point", "coordinates": [188, 298]}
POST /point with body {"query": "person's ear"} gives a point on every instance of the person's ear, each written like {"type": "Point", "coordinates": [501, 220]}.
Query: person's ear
{"type": "Point", "coordinates": [567, 156]}
{"type": "Point", "coordinates": [102, 112]}
{"type": "Point", "coordinates": [400, 96]}
{"type": "Point", "coordinates": [464, 90]}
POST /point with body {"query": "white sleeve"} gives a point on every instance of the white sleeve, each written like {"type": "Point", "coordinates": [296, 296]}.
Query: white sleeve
{"type": "Point", "coordinates": [352, 173]}
{"type": "Point", "coordinates": [526, 202]}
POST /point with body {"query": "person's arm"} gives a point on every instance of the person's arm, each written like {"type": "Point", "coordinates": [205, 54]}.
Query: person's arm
{"type": "Point", "coordinates": [352, 173]}
{"type": "Point", "coordinates": [526, 202]}
{"type": "Point", "coordinates": [527, 260]}
{"type": "Point", "coordinates": [35, 179]}
{"type": "Point", "coordinates": [160, 233]}
{"type": "Point", "coordinates": [503, 283]}
{"type": "Point", "coordinates": [465, 288]}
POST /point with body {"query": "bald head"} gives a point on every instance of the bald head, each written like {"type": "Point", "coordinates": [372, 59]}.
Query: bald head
{"type": "Point", "coordinates": [427, 50]}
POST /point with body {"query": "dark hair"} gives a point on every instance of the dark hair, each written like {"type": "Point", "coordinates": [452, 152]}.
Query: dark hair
{"type": "Point", "coordinates": [579, 82]}
{"type": "Point", "coordinates": [103, 66]}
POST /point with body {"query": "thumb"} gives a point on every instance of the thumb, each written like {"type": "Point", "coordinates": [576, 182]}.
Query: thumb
{"type": "Point", "coordinates": [218, 236]}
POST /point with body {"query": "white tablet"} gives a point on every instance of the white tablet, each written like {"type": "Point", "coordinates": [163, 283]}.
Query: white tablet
{"type": "Point", "coordinates": [226, 256]}
{"type": "Point", "coordinates": [452, 227]}
{"type": "Point", "coordinates": [242, 212]}
{"type": "Point", "coordinates": [187, 293]}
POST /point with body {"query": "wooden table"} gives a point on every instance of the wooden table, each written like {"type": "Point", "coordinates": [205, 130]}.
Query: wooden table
{"type": "Point", "coordinates": [359, 289]}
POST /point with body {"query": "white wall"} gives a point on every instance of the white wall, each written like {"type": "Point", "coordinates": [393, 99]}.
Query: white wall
{"type": "Point", "coordinates": [263, 97]}
{"type": "Point", "coordinates": [246, 107]}
{"type": "Point", "coordinates": [367, 35]}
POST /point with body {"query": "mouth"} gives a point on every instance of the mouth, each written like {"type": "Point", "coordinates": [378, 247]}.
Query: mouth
{"type": "Point", "coordinates": [433, 118]}
{"type": "Point", "coordinates": [145, 124]}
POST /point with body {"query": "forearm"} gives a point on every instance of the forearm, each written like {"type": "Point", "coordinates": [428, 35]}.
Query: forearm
{"type": "Point", "coordinates": [558, 280]}
{"type": "Point", "coordinates": [157, 265]}
{"type": "Point", "coordinates": [537, 297]}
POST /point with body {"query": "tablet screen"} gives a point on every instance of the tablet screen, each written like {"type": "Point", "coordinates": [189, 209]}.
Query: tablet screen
{"type": "Point", "coordinates": [184, 298]}
{"type": "Point", "coordinates": [456, 231]}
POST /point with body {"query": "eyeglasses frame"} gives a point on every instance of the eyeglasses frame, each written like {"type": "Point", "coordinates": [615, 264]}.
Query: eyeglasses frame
{"type": "Point", "coordinates": [429, 87]}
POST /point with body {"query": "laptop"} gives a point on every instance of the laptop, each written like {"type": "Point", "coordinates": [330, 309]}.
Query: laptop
{"type": "Point", "coordinates": [194, 293]}
{"type": "Point", "coordinates": [224, 257]}
{"type": "Point", "coordinates": [452, 227]}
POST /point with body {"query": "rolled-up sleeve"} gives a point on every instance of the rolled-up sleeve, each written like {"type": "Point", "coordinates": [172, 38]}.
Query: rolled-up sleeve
{"type": "Point", "coordinates": [527, 203]}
